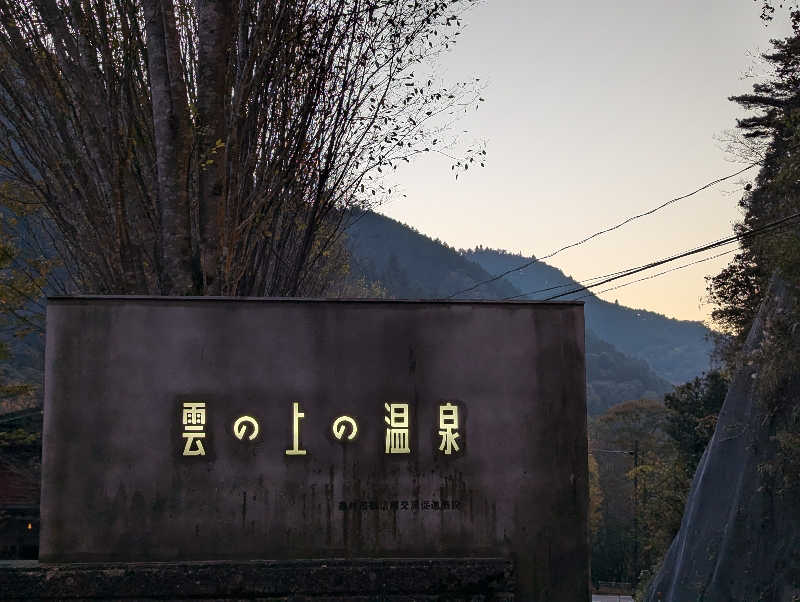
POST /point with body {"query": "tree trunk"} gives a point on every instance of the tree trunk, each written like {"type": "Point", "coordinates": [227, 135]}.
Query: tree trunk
{"type": "Point", "coordinates": [172, 131]}
{"type": "Point", "coordinates": [214, 32]}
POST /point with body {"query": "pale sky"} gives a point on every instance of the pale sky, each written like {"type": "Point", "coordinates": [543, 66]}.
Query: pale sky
{"type": "Point", "coordinates": [596, 111]}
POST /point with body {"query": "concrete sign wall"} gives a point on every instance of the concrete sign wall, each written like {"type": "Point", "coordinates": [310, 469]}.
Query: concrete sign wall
{"type": "Point", "coordinates": [189, 428]}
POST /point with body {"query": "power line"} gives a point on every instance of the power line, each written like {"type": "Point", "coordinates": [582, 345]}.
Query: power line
{"type": "Point", "coordinates": [680, 267]}
{"type": "Point", "coordinates": [606, 230]}
{"type": "Point", "coordinates": [624, 272]}
{"type": "Point", "coordinates": [565, 285]}
{"type": "Point", "coordinates": [713, 245]}
{"type": "Point", "coordinates": [629, 271]}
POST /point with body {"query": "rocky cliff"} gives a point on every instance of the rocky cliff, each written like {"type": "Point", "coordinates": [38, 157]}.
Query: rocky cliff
{"type": "Point", "coordinates": [740, 535]}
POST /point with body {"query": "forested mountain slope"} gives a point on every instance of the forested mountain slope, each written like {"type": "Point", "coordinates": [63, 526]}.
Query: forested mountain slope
{"type": "Point", "coordinates": [411, 265]}
{"type": "Point", "coordinates": [678, 350]}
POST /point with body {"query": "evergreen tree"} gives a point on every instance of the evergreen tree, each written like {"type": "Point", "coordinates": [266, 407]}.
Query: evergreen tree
{"type": "Point", "coordinates": [694, 407]}
{"type": "Point", "coordinates": [739, 289]}
{"type": "Point", "coordinates": [742, 286]}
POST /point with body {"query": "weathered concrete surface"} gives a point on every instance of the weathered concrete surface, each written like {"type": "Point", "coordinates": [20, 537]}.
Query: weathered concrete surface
{"type": "Point", "coordinates": [116, 487]}
{"type": "Point", "coordinates": [395, 580]}
{"type": "Point", "coordinates": [736, 541]}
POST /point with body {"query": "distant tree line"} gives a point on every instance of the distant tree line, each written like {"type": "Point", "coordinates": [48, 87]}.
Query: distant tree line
{"type": "Point", "coordinates": [645, 454]}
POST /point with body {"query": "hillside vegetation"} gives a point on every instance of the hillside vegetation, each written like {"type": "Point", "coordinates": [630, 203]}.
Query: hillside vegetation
{"type": "Point", "coordinates": [409, 264]}
{"type": "Point", "coordinates": [678, 350]}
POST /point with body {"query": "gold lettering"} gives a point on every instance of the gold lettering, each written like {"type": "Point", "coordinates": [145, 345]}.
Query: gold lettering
{"type": "Point", "coordinates": [239, 427]}
{"type": "Point", "coordinates": [193, 417]}
{"type": "Point", "coordinates": [296, 416]}
{"type": "Point", "coordinates": [339, 427]}
{"type": "Point", "coordinates": [198, 449]}
{"type": "Point", "coordinates": [397, 431]}
{"type": "Point", "coordinates": [448, 425]}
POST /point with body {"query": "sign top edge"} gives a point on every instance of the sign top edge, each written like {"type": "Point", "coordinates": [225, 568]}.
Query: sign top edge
{"type": "Point", "coordinates": [83, 298]}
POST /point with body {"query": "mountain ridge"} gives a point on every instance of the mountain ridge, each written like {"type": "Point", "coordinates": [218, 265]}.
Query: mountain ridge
{"type": "Point", "coordinates": [409, 264]}
{"type": "Point", "coordinates": [677, 349]}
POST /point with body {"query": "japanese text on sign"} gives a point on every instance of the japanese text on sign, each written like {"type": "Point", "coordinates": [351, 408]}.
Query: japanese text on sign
{"type": "Point", "coordinates": [344, 428]}
{"type": "Point", "coordinates": [193, 418]}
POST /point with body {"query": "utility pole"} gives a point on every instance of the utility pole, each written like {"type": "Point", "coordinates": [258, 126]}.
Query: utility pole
{"type": "Point", "coordinates": [635, 453]}
{"type": "Point", "coordinates": [635, 513]}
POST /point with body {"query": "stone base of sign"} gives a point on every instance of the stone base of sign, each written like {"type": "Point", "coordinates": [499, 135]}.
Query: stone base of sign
{"type": "Point", "coordinates": [398, 580]}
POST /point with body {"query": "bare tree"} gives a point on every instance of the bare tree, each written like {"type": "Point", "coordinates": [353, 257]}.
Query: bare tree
{"type": "Point", "coordinates": [213, 147]}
